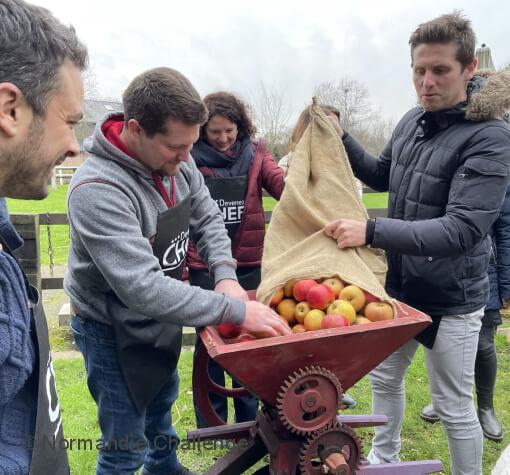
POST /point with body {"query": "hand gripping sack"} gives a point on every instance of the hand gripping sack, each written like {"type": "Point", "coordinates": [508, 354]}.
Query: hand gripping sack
{"type": "Point", "coordinates": [319, 188]}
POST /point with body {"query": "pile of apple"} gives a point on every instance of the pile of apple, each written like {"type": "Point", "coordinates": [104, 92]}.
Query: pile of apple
{"type": "Point", "coordinates": [309, 305]}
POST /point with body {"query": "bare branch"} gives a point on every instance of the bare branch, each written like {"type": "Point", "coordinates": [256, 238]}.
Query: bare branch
{"type": "Point", "coordinates": [271, 115]}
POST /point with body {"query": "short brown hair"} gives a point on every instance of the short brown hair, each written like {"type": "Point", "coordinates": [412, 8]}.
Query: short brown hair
{"type": "Point", "coordinates": [33, 47]}
{"type": "Point", "coordinates": [160, 94]}
{"type": "Point", "coordinates": [304, 120]}
{"type": "Point", "coordinates": [232, 108]}
{"type": "Point", "coordinates": [450, 28]}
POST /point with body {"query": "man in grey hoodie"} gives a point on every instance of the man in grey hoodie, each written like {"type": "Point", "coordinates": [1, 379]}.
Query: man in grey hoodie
{"type": "Point", "coordinates": [132, 207]}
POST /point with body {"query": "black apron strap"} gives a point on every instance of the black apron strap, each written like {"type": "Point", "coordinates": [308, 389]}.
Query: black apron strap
{"type": "Point", "coordinates": [49, 456]}
{"type": "Point", "coordinates": [149, 350]}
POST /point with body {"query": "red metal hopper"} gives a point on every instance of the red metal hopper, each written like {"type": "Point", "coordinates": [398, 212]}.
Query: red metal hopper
{"type": "Point", "coordinates": [301, 379]}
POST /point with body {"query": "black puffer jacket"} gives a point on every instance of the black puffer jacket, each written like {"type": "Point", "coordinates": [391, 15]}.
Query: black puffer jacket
{"type": "Point", "coordinates": [499, 264]}
{"type": "Point", "coordinates": [446, 173]}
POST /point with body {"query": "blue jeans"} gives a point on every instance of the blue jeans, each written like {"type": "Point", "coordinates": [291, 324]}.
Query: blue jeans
{"type": "Point", "coordinates": [129, 439]}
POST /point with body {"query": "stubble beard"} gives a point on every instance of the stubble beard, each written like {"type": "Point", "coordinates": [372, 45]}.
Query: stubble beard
{"type": "Point", "coordinates": [23, 178]}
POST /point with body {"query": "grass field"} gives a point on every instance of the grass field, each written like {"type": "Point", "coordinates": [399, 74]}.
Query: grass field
{"type": "Point", "coordinates": [59, 234]}
{"type": "Point", "coordinates": [420, 441]}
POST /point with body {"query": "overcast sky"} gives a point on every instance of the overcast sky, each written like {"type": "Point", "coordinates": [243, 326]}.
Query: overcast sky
{"type": "Point", "coordinates": [294, 45]}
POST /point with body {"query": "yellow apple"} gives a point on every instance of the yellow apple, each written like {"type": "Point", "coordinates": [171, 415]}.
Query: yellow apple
{"type": "Point", "coordinates": [354, 295]}
{"type": "Point", "coordinates": [313, 320]}
{"type": "Point", "coordinates": [342, 307]}
{"type": "Point", "coordinates": [286, 309]}
{"type": "Point", "coordinates": [335, 284]}
{"type": "Point", "coordinates": [300, 311]}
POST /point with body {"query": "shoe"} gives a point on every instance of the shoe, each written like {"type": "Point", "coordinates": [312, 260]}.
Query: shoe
{"type": "Point", "coordinates": [490, 425]}
{"type": "Point", "coordinates": [428, 414]}
{"type": "Point", "coordinates": [348, 401]}
{"type": "Point", "coordinates": [179, 470]}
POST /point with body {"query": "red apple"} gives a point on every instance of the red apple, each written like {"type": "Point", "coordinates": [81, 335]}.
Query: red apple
{"type": "Point", "coordinates": [334, 321]}
{"type": "Point", "coordinates": [335, 284]}
{"type": "Point", "coordinates": [320, 296]}
{"type": "Point", "coordinates": [342, 307]}
{"type": "Point", "coordinates": [229, 330]}
{"type": "Point", "coordinates": [301, 288]}
{"type": "Point", "coordinates": [377, 311]}
{"type": "Point", "coordinates": [370, 298]}
{"type": "Point", "coordinates": [354, 295]}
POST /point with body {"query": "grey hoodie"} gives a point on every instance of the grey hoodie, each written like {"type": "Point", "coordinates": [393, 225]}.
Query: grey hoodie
{"type": "Point", "coordinates": [112, 218]}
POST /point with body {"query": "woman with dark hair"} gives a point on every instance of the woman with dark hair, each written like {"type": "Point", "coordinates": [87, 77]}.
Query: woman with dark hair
{"type": "Point", "coordinates": [235, 167]}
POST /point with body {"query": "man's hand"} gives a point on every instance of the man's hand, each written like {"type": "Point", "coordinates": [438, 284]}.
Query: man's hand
{"type": "Point", "coordinates": [506, 303]}
{"type": "Point", "coordinates": [262, 321]}
{"type": "Point", "coordinates": [347, 232]}
{"type": "Point", "coordinates": [232, 289]}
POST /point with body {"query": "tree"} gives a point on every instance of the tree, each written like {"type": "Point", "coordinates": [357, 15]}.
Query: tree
{"type": "Point", "coordinates": [376, 133]}
{"type": "Point", "coordinates": [350, 97]}
{"type": "Point", "coordinates": [271, 116]}
{"type": "Point", "coordinates": [90, 86]}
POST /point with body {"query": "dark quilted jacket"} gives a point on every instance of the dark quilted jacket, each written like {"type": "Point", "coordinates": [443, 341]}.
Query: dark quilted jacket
{"type": "Point", "coordinates": [248, 243]}
{"type": "Point", "coordinates": [446, 175]}
{"type": "Point", "coordinates": [499, 265]}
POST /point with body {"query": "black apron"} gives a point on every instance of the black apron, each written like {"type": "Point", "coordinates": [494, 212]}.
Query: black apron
{"type": "Point", "coordinates": [49, 455]}
{"type": "Point", "coordinates": [149, 350]}
{"type": "Point", "coordinates": [229, 194]}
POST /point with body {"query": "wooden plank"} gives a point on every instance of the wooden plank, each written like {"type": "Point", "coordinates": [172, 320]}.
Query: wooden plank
{"type": "Point", "coordinates": [372, 212]}
{"type": "Point", "coordinates": [55, 283]}
{"type": "Point", "coordinates": [52, 283]}
{"type": "Point", "coordinates": [54, 218]}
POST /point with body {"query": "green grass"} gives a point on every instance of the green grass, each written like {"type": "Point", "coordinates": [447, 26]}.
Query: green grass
{"type": "Point", "coordinates": [56, 203]}
{"type": "Point", "coordinates": [420, 441]}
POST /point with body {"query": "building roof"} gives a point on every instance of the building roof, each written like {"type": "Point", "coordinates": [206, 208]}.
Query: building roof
{"type": "Point", "coordinates": [94, 110]}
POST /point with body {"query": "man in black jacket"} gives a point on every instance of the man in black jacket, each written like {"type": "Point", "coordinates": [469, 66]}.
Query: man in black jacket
{"type": "Point", "coordinates": [446, 170]}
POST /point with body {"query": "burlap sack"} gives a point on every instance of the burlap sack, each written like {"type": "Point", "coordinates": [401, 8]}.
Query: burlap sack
{"type": "Point", "coordinates": [319, 188]}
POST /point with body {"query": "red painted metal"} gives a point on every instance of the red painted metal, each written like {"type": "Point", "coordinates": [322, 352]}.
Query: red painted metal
{"type": "Point", "coordinates": [269, 368]}
{"type": "Point", "coordinates": [349, 352]}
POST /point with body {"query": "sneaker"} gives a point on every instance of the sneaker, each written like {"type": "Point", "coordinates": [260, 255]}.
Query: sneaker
{"type": "Point", "coordinates": [348, 401]}
{"type": "Point", "coordinates": [428, 414]}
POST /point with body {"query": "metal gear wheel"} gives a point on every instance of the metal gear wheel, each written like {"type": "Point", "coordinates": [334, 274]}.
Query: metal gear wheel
{"type": "Point", "coordinates": [335, 449]}
{"type": "Point", "coordinates": [309, 400]}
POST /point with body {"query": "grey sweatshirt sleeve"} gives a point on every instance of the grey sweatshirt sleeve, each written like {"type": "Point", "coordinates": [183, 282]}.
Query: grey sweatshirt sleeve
{"type": "Point", "coordinates": [208, 228]}
{"type": "Point", "coordinates": [105, 224]}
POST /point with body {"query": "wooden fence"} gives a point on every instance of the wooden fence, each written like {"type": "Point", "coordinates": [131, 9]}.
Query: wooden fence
{"type": "Point", "coordinates": [27, 226]}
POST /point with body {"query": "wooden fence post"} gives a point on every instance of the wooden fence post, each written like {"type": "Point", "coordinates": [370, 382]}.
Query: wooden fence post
{"type": "Point", "coordinates": [29, 255]}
